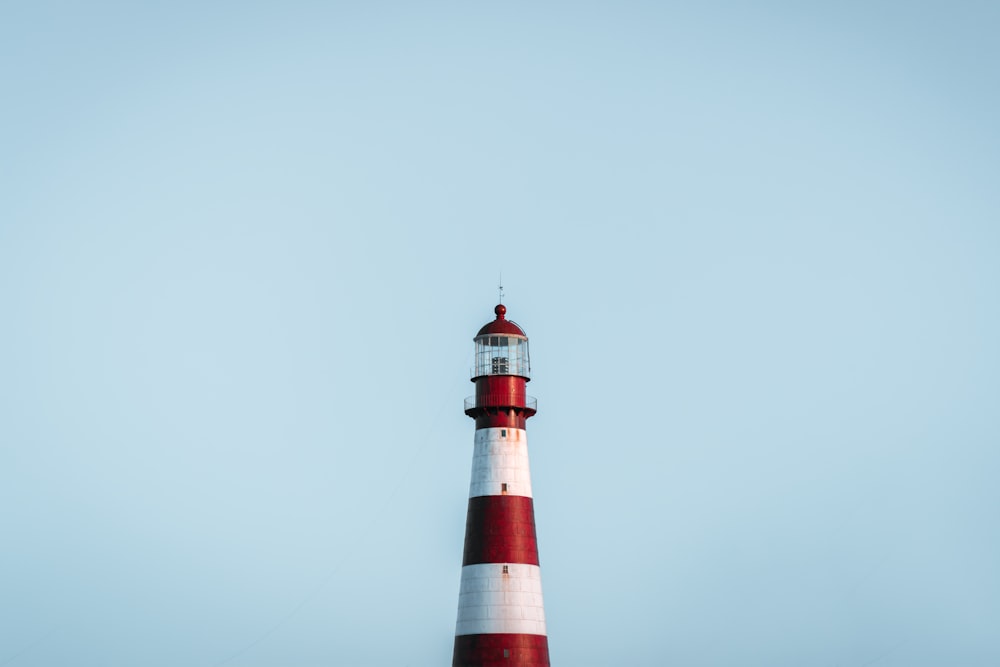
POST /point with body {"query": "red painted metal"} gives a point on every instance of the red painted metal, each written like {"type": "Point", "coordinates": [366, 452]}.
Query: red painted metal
{"type": "Point", "coordinates": [500, 529]}
{"type": "Point", "coordinates": [501, 401]}
{"type": "Point", "coordinates": [488, 651]}
{"type": "Point", "coordinates": [499, 418]}
{"type": "Point", "coordinates": [501, 390]}
{"type": "Point", "coordinates": [501, 325]}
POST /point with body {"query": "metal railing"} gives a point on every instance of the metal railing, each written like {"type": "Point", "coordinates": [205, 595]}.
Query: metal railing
{"type": "Point", "coordinates": [500, 400]}
{"type": "Point", "coordinates": [520, 370]}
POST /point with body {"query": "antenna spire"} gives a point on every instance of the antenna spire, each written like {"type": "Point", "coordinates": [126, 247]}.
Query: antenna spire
{"type": "Point", "coordinates": [500, 287]}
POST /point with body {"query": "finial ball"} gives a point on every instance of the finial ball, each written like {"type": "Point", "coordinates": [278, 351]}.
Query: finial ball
{"type": "Point", "coordinates": [500, 310]}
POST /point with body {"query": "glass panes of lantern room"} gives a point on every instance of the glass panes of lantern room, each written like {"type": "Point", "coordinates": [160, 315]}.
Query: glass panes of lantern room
{"type": "Point", "coordinates": [502, 355]}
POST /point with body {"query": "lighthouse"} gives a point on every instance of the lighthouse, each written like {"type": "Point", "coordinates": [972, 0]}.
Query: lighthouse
{"type": "Point", "coordinates": [501, 619]}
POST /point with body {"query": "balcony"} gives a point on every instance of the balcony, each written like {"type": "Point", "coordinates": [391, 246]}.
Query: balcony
{"type": "Point", "coordinates": [500, 401]}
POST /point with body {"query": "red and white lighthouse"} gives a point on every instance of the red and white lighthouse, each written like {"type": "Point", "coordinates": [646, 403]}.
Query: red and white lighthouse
{"type": "Point", "coordinates": [501, 619]}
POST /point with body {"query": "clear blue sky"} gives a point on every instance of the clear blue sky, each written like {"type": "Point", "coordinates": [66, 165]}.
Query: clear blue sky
{"type": "Point", "coordinates": [244, 248]}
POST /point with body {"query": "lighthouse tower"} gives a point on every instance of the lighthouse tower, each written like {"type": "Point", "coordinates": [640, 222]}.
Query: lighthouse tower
{"type": "Point", "coordinates": [501, 620]}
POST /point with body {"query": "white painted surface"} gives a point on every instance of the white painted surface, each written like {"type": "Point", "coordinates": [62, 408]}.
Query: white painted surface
{"type": "Point", "coordinates": [491, 602]}
{"type": "Point", "coordinates": [500, 459]}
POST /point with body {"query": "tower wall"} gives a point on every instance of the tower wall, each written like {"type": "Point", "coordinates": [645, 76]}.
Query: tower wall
{"type": "Point", "coordinates": [501, 616]}
{"type": "Point", "coordinates": [500, 604]}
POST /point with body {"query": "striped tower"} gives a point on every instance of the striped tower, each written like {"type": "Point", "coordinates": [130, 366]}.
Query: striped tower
{"type": "Point", "coordinates": [501, 620]}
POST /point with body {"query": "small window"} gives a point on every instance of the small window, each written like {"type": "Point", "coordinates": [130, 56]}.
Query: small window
{"type": "Point", "coordinates": [505, 570]}
{"type": "Point", "coordinates": [503, 487]}
{"type": "Point", "coordinates": [506, 653]}
{"type": "Point", "coordinates": [503, 433]}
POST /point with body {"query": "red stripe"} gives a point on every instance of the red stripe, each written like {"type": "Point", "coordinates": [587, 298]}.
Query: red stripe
{"type": "Point", "coordinates": [501, 402]}
{"type": "Point", "coordinates": [499, 418]}
{"type": "Point", "coordinates": [488, 651]}
{"type": "Point", "coordinates": [501, 390]}
{"type": "Point", "coordinates": [500, 529]}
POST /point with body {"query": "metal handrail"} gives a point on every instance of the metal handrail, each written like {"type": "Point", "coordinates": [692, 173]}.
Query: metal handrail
{"type": "Point", "coordinates": [501, 400]}
{"type": "Point", "coordinates": [476, 373]}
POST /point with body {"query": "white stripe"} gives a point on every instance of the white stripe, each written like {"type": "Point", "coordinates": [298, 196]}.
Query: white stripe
{"type": "Point", "coordinates": [500, 457]}
{"type": "Point", "coordinates": [491, 602]}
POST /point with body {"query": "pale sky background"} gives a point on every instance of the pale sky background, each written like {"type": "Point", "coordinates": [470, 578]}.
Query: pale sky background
{"type": "Point", "coordinates": [244, 248]}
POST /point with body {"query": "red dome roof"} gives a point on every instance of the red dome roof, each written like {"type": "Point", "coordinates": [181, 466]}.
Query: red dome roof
{"type": "Point", "coordinates": [501, 325]}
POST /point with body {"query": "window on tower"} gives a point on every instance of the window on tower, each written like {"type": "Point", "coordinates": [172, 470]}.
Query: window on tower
{"type": "Point", "coordinates": [502, 355]}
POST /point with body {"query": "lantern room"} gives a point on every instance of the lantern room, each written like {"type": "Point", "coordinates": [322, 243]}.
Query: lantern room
{"type": "Point", "coordinates": [501, 348]}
